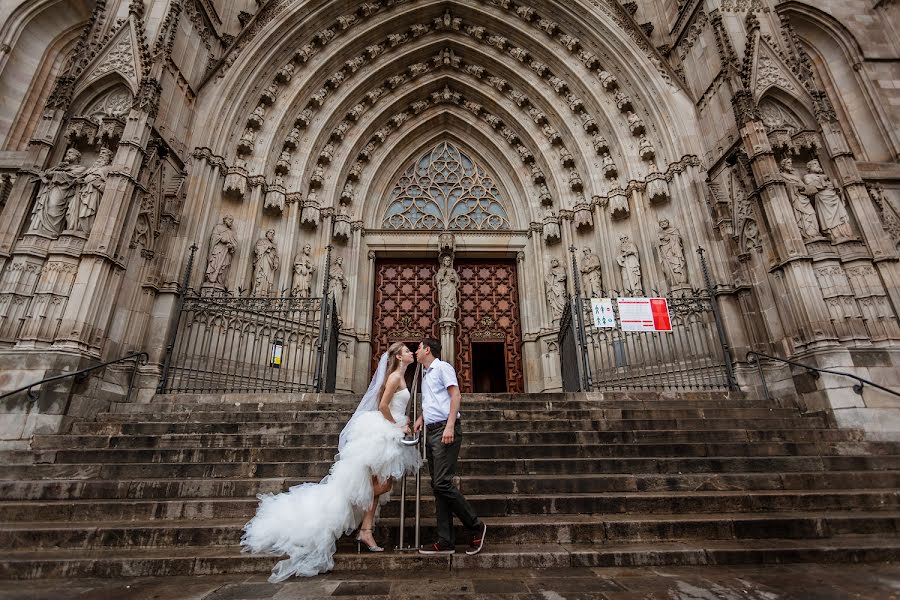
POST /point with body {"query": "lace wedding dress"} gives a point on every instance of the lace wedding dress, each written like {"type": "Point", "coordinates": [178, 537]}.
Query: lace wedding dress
{"type": "Point", "coordinates": [306, 521]}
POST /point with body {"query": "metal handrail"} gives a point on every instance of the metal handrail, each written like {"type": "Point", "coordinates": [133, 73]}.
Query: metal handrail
{"type": "Point", "coordinates": [139, 358]}
{"type": "Point", "coordinates": [857, 387]}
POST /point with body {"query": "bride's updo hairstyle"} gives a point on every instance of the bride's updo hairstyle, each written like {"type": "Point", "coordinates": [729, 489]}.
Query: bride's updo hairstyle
{"type": "Point", "coordinates": [393, 362]}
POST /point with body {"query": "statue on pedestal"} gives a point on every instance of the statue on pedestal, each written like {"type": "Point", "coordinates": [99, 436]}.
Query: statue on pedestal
{"type": "Point", "coordinates": [830, 207]}
{"type": "Point", "coordinates": [447, 281]}
{"type": "Point", "coordinates": [337, 285]}
{"type": "Point", "coordinates": [555, 288]}
{"type": "Point", "coordinates": [671, 254]}
{"type": "Point", "coordinates": [58, 187]}
{"type": "Point", "coordinates": [222, 245]}
{"type": "Point", "coordinates": [301, 287]}
{"type": "Point", "coordinates": [630, 262]}
{"type": "Point", "coordinates": [804, 211]}
{"type": "Point", "coordinates": [83, 204]}
{"type": "Point", "coordinates": [265, 263]}
{"type": "Point", "coordinates": [591, 275]}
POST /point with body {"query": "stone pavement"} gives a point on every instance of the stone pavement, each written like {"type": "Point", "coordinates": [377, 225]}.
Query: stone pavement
{"type": "Point", "coordinates": [766, 582]}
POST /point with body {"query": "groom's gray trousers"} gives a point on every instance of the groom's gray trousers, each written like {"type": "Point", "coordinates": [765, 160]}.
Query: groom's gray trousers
{"type": "Point", "coordinates": [448, 500]}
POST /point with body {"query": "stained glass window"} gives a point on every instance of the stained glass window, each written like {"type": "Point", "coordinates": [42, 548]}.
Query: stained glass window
{"type": "Point", "coordinates": [445, 189]}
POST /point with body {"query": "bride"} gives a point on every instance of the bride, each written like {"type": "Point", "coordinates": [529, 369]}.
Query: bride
{"type": "Point", "coordinates": [306, 521]}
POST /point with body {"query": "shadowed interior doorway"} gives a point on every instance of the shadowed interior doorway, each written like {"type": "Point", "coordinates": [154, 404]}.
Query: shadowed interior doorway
{"type": "Point", "coordinates": [489, 367]}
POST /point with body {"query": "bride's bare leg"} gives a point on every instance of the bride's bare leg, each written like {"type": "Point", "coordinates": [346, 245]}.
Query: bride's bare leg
{"type": "Point", "coordinates": [365, 529]}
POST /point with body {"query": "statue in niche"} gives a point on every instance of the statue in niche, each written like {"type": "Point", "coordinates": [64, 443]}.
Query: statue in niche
{"type": "Point", "coordinates": [83, 205]}
{"type": "Point", "coordinates": [58, 187]}
{"type": "Point", "coordinates": [591, 275]}
{"type": "Point", "coordinates": [830, 207]}
{"type": "Point", "coordinates": [337, 285]}
{"type": "Point", "coordinates": [804, 211]}
{"type": "Point", "coordinates": [671, 254]}
{"type": "Point", "coordinates": [630, 262]}
{"type": "Point", "coordinates": [301, 286]}
{"type": "Point", "coordinates": [265, 263]}
{"type": "Point", "coordinates": [555, 288]}
{"type": "Point", "coordinates": [447, 281]}
{"type": "Point", "coordinates": [222, 244]}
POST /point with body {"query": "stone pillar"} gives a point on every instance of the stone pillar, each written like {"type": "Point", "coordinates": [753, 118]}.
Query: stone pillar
{"type": "Point", "coordinates": [884, 254]}
{"type": "Point", "coordinates": [84, 322]}
{"type": "Point", "coordinates": [448, 340]}
{"type": "Point", "coordinates": [813, 321]}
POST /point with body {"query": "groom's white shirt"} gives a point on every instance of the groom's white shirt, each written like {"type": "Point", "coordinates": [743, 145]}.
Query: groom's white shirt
{"type": "Point", "coordinates": [435, 397]}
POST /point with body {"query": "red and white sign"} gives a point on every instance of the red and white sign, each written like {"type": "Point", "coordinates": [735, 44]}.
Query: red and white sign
{"type": "Point", "coordinates": [644, 314]}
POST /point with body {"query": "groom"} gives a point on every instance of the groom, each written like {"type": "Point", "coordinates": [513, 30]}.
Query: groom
{"type": "Point", "coordinates": [443, 437]}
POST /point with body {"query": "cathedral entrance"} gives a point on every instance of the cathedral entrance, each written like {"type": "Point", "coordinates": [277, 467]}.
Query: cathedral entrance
{"type": "Point", "coordinates": [488, 348]}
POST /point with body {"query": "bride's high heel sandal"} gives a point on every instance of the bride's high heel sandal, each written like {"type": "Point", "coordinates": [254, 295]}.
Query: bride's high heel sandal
{"type": "Point", "coordinates": [360, 543]}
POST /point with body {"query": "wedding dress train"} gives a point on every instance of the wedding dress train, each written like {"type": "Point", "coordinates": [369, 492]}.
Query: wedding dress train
{"type": "Point", "coordinates": [306, 521]}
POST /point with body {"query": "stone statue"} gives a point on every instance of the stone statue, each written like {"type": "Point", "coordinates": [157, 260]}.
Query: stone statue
{"type": "Point", "coordinates": [265, 263]}
{"type": "Point", "coordinates": [555, 288]}
{"type": "Point", "coordinates": [301, 287]}
{"type": "Point", "coordinates": [222, 245]}
{"type": "Point", "coordinates": [337, 285]}
{"type": "Point", "coordinates": [447, 281]}
{"type": "Point", "coordinates": [58, 187]}
{"type": "Point", "coordinates": [551, 225]}
{"type": "Point", "coordinates": [830, 207]}
{"type": "Point", "coordinates": [83, 205]}
{"type": "Point", "coordinates": [804, 211]}
{"type": "Point", "coordinates": [591, 275]}
{"type": "Point", "coordinates": [671, 254]}
{"type": "Point", "coordinates": [630, 262]}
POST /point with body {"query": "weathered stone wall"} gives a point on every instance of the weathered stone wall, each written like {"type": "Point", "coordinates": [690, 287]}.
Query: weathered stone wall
{"type": "Point", "coordinates": [596, 121]}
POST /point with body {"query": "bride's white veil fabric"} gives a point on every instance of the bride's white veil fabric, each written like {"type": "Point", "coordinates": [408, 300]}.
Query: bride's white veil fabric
{"type": "Point", "coordinates": [369, 401]}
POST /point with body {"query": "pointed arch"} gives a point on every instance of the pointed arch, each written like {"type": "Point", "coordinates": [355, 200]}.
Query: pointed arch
{"type": "Point", "coordinates": [445, 188]}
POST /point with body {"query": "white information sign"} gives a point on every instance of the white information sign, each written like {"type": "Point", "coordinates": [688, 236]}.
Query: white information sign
{"type": "Point", "coordinates": [644, 314]}
{"type": "Point", "coordinates": [602, 310]}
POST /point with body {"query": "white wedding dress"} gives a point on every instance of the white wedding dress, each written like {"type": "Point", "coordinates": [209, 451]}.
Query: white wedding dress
{"type": "Point", "coordinates": [306, 521]}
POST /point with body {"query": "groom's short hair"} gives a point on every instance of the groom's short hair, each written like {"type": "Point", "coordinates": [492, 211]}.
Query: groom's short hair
{"type": "Point", "coordinates": [433, 345]}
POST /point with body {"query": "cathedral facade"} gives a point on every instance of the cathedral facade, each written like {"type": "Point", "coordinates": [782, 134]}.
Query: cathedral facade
{"type": "Point", "coordinates": [449, 169]}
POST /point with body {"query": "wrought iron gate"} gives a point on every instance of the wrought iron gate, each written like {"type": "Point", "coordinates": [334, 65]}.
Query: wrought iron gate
{"type": "Point", "coordinates": [694, 355]}
{"type": "Point", "coordinates": [227, 344]}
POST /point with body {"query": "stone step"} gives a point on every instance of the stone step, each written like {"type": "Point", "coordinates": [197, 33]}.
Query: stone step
{"type": "Point", "coordinates": [473, 414]}
{"type": "Point", "coordinates": [326, 454]}
{"type": "Point", "coordinates": [578, 529]}
{"type": "Point", "coordinates": [124, 562]}
{"type": "Point", "coordinates": [499, 467]}
{"type": "Point", "coordinates": [145, 489]}
{"type": "Point", "coordinates": [471, 438]}
{"type": "Point", "coordinates": [486, 505]}
{"type": "Point", "coordinates": [257, 405]}
{"type": "Point", "coordinates": [498, 425]}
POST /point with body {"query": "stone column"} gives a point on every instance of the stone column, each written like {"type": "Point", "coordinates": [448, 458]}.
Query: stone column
{"type": "Point", "coordinates": [448, 340]}
{"type": "Point", "coordinates": [85, 320]}
{"type": "Point", "coordinates": [814, 327]}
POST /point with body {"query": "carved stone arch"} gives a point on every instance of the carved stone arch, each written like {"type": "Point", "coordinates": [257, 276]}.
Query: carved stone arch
{"type": "Point", "coordinates": [606, 29]}
{"type": "Point", "coordinates": [424, 133]}
{"type": "Point", "coordinates": [97, 114]}
{"type": "Point", "coordinates": [122, 56]}
{"type": "Point", "coordinates": [790, 125]}
{"type": "Point", "coordinates": [376, 119]}
{"type": "Point", "coordinates": [398, 62]}
{"type": "Point", "coordinates": [836, 56]}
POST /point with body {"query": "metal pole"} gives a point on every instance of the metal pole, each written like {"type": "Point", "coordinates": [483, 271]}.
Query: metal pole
{"type": "Point", "coordinates": [173, 333]}
{"type": "Point", "coordinates": [585, 379]}
{"type": "Point", "coordinates": [324, 307]}
{"type": "Point", "coordinates": [762, 375]}
{"type": "Point", "coordinates": [729, 367]}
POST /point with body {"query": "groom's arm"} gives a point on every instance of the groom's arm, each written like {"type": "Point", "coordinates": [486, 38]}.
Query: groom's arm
{"type": "Point", "coordinates": [455, 401]}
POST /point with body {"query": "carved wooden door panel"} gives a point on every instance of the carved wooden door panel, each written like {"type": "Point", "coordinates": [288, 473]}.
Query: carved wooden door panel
{"type": "Point", "coordinates": [489, 312]}
{"type": "Point", "coordinates": [406, 304]}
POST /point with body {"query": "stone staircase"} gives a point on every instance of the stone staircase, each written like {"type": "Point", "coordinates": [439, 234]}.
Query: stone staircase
{"type": "Point", "coordinates": [612, 479]}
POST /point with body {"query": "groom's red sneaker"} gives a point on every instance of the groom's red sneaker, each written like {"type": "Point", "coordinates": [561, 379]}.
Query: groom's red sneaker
{"type": "Point", "coordinates": [439, 547]}
{"type": "Point", "coordinates": [477, 542]}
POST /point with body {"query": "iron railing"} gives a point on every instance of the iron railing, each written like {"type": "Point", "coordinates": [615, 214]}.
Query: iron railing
{"type": "Point", "coordinates": [138, 358]}
{"type": "Point", "coordinates": [753, 358]}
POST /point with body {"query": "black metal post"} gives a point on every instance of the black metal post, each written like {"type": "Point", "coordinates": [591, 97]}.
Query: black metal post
{"type": "Point", "coordinates": [324, 309]}
{"type": "Point", "coordinates": [173, 332]}
{"type": "Point", "coordinates": [726, 351]}
{"type": "Point", "coordinates": [585, 379]}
